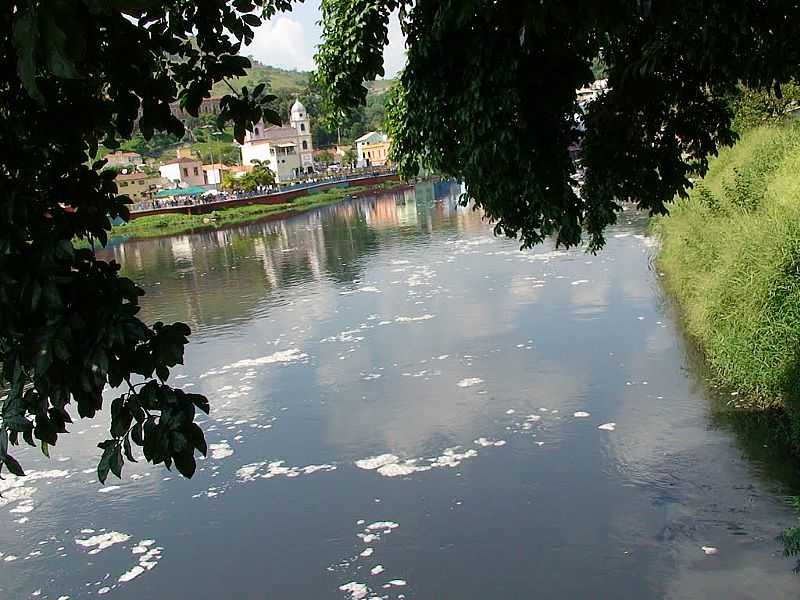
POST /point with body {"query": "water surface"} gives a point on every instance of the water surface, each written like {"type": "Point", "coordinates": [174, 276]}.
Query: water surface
{"type": "Point", "coordinates": [404, 406]}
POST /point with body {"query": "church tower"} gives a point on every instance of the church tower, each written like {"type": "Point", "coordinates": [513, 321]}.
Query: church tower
{"type": "Point", "coordinates": [300, 121]}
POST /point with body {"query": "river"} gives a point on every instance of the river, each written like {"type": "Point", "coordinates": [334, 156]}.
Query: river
{"type": "Point", "coordinates": [405, 406]}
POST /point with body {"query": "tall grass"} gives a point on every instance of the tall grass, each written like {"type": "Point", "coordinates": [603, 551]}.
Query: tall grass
{"type": "Point", "coordinates": [731, 257]}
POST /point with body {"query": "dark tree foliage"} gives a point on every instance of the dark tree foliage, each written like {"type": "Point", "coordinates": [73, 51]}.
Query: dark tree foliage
{"type": "Point", "coordinates": [78, 74]}
{"type": "Point", "coordinates": [488, 95]}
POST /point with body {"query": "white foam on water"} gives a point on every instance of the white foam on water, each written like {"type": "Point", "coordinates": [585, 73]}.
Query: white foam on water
{"type": "Point", "coordinates": [469, 382]}
{"type": "Point", "coordinates": [132, 574]}
{"type": "Point", "coordinates": [510, 411]}
{"type": "Point", "coordinates": [580, 282]}
{"type": "Point", "coordinates": [709, 550]}
{"type": "Point", "coordinates": [396, 582]}
{"type": "Point", "coordinates": [107, 489]}
{"type": "Point", "coordinates": [376, 462]}
{"type": "Point", "coordinates": [451, 457]}
{"type": "Point", "coordinates": [581, 414]}
{"type": "Point", "coordinates": [401, 469]}
{"type": "Point", "coordinates": [292, 355]}
{"type": "Point", "coordinates": [607, 426]}
{"type": "Point", "coordinates": [482, 441]}
{"type": "Point", "coordinates": [9, 558]}
{"type": "Point", "coordinates": [424, 317]}
{"type": "Point", "coordinates": [100, 542]}
{"type": "Point", "coordinates": [103, 590]}
{"type": "Point", "coordinates": [356, 591]}
{"type": "Point", "coordinates": [384, 526]}
{"type": "Point", "coordinates": [268, 470]}
{"type": "Point", "coordinates": [367, 289]}
{"type": "Point", "coordinates": [221, 450]}
{"type": "Point", "coordinates": [367, 552]}
{"type": "Point", "coordinates": [377, 570]}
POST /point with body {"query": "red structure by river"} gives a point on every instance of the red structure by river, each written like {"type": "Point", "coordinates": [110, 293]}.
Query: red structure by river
{"type": "Point", "coordinates": [281, 197]}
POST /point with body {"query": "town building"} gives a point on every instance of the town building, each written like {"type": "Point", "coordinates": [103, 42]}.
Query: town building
{"type": "Point", "coordinates": [208, 107]}
{"type": "Point", "coordinates": [123, 159]}
{"type": "Point", "coordinates": [212, 174]}
{"type": "Point", "coordinates": [137, 186]}
{"type": "Point", "coordinates": [183, 172]}
{"type": "Point", "coordinates": [286, 150]}
{"type": "Point", "coordinates": [372, 149]}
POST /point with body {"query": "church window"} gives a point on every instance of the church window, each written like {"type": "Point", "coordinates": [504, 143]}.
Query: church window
{"type": "Point", "coordinates": [302, 126]}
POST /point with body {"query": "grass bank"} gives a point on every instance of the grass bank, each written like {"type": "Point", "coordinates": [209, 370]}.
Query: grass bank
{"type": "Point", "coordinates": [174, 223]}
{"type": "Point", "coordinates": [730, 256]}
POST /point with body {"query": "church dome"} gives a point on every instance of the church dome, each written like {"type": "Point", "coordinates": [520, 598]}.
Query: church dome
{"type": "Point", "coordinates": [298, 107]}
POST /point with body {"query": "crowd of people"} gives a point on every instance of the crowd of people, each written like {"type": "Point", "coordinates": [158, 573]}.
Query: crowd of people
{"type": "Point", "coordinates": [214, 196]}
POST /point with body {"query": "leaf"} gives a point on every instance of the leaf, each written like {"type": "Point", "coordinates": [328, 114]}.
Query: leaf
{"type": "Point", "coordinates": [58, 61]}
{"type": "Point", "coordinates": [185, 463]}
{"type": "Point", "coordinates": [197, 438]}
{"type": "Point", "coordinates": [128, 451]}
{"type": "Point", "coordinates": [116, 461]}
{"type": "Point", "coordinates": [45, 449]}
{"type": "Point", "coordinates": [104, 465]}
{"type": "Point", "coordinates": [13, 466]}
{"type": "Point", "coordinates": [200, 402]}
{"type": "Point", "coordinates": [26, 37]}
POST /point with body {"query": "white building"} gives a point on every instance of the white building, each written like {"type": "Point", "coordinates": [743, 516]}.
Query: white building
{"type": "Point", "coordinates": [123, 159]}
{"type": "Point", "coordinates": [185, 171]}
{"type": "Point", "coordinates": [286, 150]}
{"type": "Point", "coordinates": [368, 139]}
{"type": "Point", "coordinates": [213, 173]}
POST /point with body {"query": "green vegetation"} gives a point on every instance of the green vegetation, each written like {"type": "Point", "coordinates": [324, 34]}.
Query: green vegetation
{"type": "Point", "coordinates": [731, 257]}
{"type": "Point", "coordinates": [274, 77]}
{"type": "Point", "coordinates": [173, 224]}
{"type": "Point", "coordinates": [261, 175]}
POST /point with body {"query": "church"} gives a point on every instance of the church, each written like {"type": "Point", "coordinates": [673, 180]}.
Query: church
{"type": "Point", "coordinates": [286, 150]}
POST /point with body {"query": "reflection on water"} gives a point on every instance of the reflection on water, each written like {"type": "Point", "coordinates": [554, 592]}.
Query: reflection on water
{"type": "Point", "coordinates": [405, 406]}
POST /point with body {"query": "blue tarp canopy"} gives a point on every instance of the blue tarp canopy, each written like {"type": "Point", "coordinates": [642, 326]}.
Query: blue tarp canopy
{"type": "Point", "coordinates": [188, 191]}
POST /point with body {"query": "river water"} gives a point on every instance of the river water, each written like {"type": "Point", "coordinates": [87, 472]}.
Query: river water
{"type": "Point", "coordinates": [404, 406]}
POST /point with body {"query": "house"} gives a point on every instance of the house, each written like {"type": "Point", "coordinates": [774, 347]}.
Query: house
{"type": "Point", "coordinates": [137, 186]}
{"type": "Point", "coordinates": [183, 171]}
{"type": "Point", "coordinates": [372, 149]}
{"type": "Point", "coordinates": [212, 174]}
{"type": "Point", "coordinates": [123, 159]}
{"type": "Point", "coordinates": [287, 151]}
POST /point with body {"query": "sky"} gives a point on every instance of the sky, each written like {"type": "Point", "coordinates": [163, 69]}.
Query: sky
{"type": "Point", "coordinates": [289, 40]}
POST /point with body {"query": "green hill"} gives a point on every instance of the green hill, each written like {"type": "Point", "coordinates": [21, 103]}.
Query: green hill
{"type": "Point", "coordinates": [286, 81]}
{"type": "Point", "coordinates": [277, 79]}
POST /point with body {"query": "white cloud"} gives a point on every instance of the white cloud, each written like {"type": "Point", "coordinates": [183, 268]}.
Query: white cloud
{"type": "Point", "coordinates": [283, 42]}
{"type": "Point", "coordinates": [289, 40]}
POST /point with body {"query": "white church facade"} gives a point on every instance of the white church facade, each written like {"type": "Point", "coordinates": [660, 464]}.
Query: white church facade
{"type": "Point", "coordinates": [286, 150]}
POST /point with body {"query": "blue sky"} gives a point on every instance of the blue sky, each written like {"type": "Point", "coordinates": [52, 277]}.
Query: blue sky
{"type": "Point", "coordinates": [289, 40]}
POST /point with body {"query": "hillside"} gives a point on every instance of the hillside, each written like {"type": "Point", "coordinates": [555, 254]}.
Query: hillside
{"type": "Point", "coordinates": [287, 81]}
{"type": "Point", "coordinates": [278, 79]}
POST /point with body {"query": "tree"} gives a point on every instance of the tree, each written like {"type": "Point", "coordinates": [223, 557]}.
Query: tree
{"type": "Point", "coordinates": [324, 157]}
{"type": "Point", "coordinates": [349, 158]}
{"type": "Point", "coordinates": [260, 176]}
{"type": "Point", "coordinates": [76, 75]}
{"type": "Point", "coordinates": [501, 112]}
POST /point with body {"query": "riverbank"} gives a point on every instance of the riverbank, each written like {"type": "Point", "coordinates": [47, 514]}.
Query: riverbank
{"type": "Point", "coordinates": [730, 256]}
{"type": "Point", "coordinates": [176, 223]}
